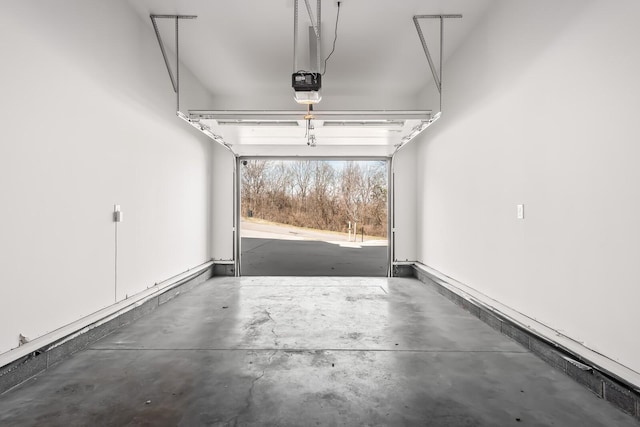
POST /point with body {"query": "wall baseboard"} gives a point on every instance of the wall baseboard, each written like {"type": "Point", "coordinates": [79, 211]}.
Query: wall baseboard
{"type": "Point", "coordinates": [46, 356]}
{"type": "Point", "coordinates": [403, 270]}
{"type": "Point", "coordinates": [224, 268]}
{"type": "Point", "coordinates": [622, 394]}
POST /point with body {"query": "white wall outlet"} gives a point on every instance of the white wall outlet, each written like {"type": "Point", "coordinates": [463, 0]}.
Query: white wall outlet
{"type": "Point", "coordinates": [520, 211]}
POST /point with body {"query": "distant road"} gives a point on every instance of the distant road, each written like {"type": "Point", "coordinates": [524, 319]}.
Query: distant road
{"type": "Point", "coordinates": [254, 229]}
{"type": "Point", "coordinates": [281, 250]}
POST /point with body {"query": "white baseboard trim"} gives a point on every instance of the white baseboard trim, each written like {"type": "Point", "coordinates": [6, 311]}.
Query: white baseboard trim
{"type": "Point", "coordinates": [535, 327]}
{"type": "Point", "coordinates": [80, 326]}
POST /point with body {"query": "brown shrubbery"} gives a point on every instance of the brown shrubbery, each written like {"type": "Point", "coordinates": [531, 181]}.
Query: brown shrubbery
{"type": "Point", "coordinates": [317, 194]}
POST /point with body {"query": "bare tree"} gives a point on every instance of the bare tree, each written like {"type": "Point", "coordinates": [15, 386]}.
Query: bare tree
{"type": "Point", "coordinates": [373, 193]}
{"type": "Point", "coordinates": [323, 194]}
{"type": "Point", "coordinates": [253, 184]}
{"type": "Point", "coordinates": [318, 194]}
{"type": "Point", "coordinates": [351, 194]}
{"type": "Point", "coordinates": [279, 190]}
{"type": "Point", "coordinates": [302, 174]}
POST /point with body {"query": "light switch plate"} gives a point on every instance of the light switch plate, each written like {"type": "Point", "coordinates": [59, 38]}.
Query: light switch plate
{"type": "Point", "coordinates": [520, 211]}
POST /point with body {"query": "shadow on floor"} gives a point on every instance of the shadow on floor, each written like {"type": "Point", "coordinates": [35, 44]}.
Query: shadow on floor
{"type": "Point", "coordinates": [271, 257]}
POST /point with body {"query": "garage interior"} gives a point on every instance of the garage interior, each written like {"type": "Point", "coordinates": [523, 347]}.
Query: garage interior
{"type": "Point", "coordinates": [511, 291]}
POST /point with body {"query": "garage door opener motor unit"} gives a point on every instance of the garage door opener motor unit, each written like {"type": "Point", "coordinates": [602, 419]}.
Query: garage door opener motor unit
{"type": "Point", "coordinates": [306, 87]}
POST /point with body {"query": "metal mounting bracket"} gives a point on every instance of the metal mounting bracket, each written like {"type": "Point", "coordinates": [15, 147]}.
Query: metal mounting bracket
{"type": "Point", "coordinates": [175, 81]}
{"type": "Point", "coordinates": [437, 76]}
{"type": "Point", "coordinates": [314, 28]}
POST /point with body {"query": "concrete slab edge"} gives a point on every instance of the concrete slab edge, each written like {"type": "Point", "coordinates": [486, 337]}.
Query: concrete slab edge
{"type": "Point", "coordinates": [614, 390]}
{"type": "Point", "coordinates": [21, 370]}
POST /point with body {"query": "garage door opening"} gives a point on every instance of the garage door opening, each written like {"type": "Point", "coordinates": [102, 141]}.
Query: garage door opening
{"type": "Point", "coordinates": [313, 217]}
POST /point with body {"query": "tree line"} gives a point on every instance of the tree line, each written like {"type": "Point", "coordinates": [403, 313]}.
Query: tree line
{"type": "Point", "coordinates": [324, 195]}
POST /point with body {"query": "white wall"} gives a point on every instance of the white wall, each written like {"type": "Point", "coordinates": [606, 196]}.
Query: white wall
{"type": "Point", "coordinates": [541, 108]}
{"type": "Point", "coordinates": [88, 121]}
{"type": "Point", "coordinates": [222, 204]}
{"type": "Point", "coordinates": [404, 165]}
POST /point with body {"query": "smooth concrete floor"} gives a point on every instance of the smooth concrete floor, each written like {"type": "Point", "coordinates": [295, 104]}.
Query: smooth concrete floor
{"type": "Point", "coordinates": [274, 257]}
{"type": "Point", "coordinates": [305, 352]}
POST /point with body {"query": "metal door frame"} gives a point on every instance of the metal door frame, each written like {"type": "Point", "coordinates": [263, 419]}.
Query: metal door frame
{"type": "Point", "coordinates": [237, 243]}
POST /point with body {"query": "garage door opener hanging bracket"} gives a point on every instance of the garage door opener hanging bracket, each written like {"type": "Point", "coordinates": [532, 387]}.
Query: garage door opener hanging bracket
{"type": "Point", "coordinates": [175, 80]}
{"type": "Point", "coordinates": [437, 75]}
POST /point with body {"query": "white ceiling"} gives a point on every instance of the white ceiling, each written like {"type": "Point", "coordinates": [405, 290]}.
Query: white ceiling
{"type": "Point", "coordinates": [242, 52]}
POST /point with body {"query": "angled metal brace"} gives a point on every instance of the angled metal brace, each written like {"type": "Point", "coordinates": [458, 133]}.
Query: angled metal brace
{"type": "Point", "coordinates": [316, 26]}
{"type": "Point", "coordinates": [437, 76]}
{"type": "Point", "coordinates": [175, 81]}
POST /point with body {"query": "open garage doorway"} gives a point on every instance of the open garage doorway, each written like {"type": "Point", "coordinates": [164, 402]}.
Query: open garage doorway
{"type": "Point", "coordinates": [308, 217]}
